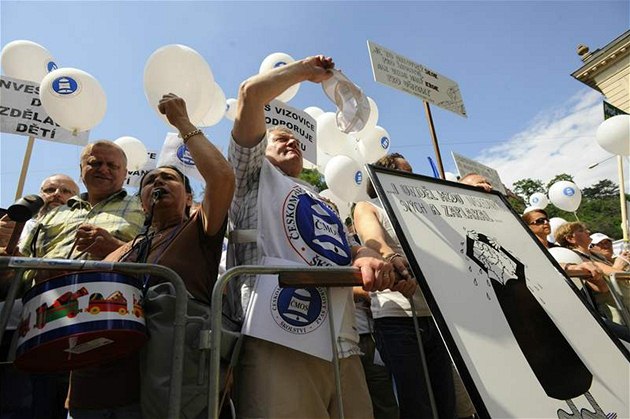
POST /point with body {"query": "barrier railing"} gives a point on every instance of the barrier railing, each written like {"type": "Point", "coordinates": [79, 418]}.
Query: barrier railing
{"type": "Point", "coordinates": [299, 276]}
{"type": "Point", "coordinates": [20, 264]}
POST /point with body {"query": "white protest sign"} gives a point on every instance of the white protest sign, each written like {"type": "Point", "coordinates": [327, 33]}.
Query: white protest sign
{"type": "Point", "coordinates": [303, 125]}
{"type": "Point", "coordinates": [22, 113]}
{"type": "Point", "coordinates": [175, 153]}
{"type": "Point", "coordinates": [134, 176]}
{"type": "Point", "coordinates": [466, 166]}
{"type": "Point", "coordinates": [523, 340]}
{"type": "Point", "coordinates": [401, 73]}
{"type": "Point", "coordinates": [293, 317]}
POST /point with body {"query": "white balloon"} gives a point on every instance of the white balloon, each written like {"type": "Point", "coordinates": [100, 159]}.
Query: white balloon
{"type": "Point", "coordinates": [613, 135]}
{"type": "Point", "coordinates": [452, 177]}
{"type": "Point", "coordinates": [538, 200]}
{"type": "Point", "coordinates": [374, 145]}
{"type": "Point", "coordinates": [372, 119]}
{"type": "Point", "coordinates": [342, 206]}
{"type": "Point", "coordinates": [230, 109]}
{"type": "Point", "coordinates": [565, 195]}
{"type": "Point", "coordinates": [564, 255]}
{"type": "Point", "coordinates": [217, 108]}
{"type": "Point", "coordinates": [181, 70]}
{"type": "Point", "coordinates": [554, 223]}
{"type": "Point", "coordinates": [314, 111]}
{"type": "Point", "coordinates": [26, 60]}
{"type": "Point", "coordinates": [345, 178]}
{"type": "Point", "coordinates": [322, 159]}
{"type": "Point", "coordinates": [73, 98]}
{"type": "Point", "coordinates": [135, 151]}
{"type": "Point", "coordinates": [278, 59]}
{"type": "Point", "coordinates": [330, 139]}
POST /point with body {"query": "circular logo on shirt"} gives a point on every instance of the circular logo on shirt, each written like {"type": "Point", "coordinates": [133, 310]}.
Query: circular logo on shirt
{"type": "Point", "coordinates": [299, 310]}
{"type": "Point", "coordinates": [314, 230]}
{"type": "Point", "coordinates": [568, 191]}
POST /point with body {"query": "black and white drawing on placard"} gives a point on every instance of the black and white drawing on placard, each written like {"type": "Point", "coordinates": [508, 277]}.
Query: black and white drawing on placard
{"type": "Point", "coordinates": [522, 339]}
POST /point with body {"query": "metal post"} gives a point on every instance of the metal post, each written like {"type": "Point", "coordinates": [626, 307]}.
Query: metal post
{"type": "Point", "coordinates": [423, 359]}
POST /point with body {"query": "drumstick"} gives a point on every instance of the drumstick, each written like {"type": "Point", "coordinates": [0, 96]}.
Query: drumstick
{"type": "Point", "coordinates": [15, 238]}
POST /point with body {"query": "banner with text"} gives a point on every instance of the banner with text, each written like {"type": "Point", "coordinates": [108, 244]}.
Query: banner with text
{"type": "Point", "coordinates": [523, 340]}
{"type": "Point", "coordinates": [401, 73]}
{"type": "Point", "coordinates": [466, 166]}
{"type": "Point", "coordinates": [303, 125]}
{"type": "Point", "coordinates": [22, 113]}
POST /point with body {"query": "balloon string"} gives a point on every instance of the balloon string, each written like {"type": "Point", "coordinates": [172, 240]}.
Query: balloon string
{"type": "Point", "coordinates": [575, 215]}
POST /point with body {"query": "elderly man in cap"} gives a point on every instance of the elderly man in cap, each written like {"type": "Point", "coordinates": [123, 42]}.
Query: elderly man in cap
{"type": "Point", "coordinates": [602, 245]}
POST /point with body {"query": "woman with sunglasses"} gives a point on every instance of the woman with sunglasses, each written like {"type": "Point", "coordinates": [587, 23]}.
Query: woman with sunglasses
{"type": "Point", "coordinates": [538, 222]}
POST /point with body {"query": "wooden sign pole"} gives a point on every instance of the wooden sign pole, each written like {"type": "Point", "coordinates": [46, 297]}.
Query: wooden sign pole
{"type": "Point", "coordinates": [25, 163]}
{"type": "Point", "coordinates": [436, 147]}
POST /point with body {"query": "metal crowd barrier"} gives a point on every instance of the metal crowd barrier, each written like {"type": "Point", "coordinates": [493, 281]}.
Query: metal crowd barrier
{"type": "Point", "coordinates": [618, 295]}
{"type": "Point", "coordinates": [20, 264]}
{"type": "Point", "coordinates": [298, 277]}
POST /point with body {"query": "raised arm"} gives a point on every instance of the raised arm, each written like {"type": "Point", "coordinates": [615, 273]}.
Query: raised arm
{"type": "Point", "coordinates": [257, 91]}
{"type": "Point", "coordinates": [214, 168]}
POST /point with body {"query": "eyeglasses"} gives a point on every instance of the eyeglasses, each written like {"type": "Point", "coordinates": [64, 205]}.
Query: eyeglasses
{"type": "Point", "coordinates": [540, 221]}
{"type": "Point", "coordinates": [63, 191]}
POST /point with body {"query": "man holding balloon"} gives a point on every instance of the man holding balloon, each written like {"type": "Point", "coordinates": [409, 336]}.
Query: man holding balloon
{"type": "Point", "coordinates": [275, 380]}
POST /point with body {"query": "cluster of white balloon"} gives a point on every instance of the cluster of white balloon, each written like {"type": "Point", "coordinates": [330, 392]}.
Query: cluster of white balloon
{"type": "Point", "coordinates": [341, 157]}
{"type": "Point", "coordinates": [73, 98]}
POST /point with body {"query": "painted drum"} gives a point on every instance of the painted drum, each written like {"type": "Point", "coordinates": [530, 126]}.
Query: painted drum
{"type": "Point", "coordinates": [81, 319]}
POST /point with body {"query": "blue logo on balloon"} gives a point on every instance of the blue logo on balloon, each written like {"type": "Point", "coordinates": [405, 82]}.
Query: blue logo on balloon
{"type": "Point", "coordinates": [384, 142]}
{"type": "Point", "coordinates": [184, 155]}
{"type": "Point", "coordinates": [279, 64]}
{"type": "Point", "coordinates": [65, 85]}
{"type": "Point", "coordinates": [568, 191]}
{"type": "Point", "coordinates": [299, 307]}
{"type": "Point", "coordinates": [358, 177]}
{"type": "Point", "coordinates": [535, 200]}
{"type": "Point", "coordinates": [51, 66]}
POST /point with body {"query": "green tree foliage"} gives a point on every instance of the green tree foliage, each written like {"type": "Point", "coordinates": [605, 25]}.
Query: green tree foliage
{"type": "Point", "coordinates": [599, 208]}
{"type": "Point", "coordinates": [526, 187]}
{"type": "Point", "coordinates": [315, 178]}
{"type": "Point", "coordinates": [558, 178]}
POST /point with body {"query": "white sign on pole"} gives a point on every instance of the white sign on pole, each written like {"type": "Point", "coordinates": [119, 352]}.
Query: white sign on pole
{"type": "Point", "coordinates": [22, 113]}
{"type": "Point", "coordinates": [304, 126]}
{"type": "Point", "coordinates": [524, 341]}
{"type": "Point", "coordinates": [401, 73]}
{"type": "Point", "coordinates": [134, 176]}
{"type": "Point", "coordinates": [466, 166]}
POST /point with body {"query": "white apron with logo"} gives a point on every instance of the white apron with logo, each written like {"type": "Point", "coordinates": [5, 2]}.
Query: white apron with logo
{"type": "Point", "coordinates": [296, 227]}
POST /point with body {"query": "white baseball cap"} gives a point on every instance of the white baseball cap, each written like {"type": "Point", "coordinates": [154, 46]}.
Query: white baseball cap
{"type": "Point", "coordinates": [598, 237]}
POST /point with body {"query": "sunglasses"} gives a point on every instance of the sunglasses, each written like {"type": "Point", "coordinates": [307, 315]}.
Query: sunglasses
{"type": "Point", "coordinates": [540, 221]}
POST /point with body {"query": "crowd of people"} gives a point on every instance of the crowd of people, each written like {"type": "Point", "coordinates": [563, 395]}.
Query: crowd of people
{"type": "Point", "coordinates": [388, 345]}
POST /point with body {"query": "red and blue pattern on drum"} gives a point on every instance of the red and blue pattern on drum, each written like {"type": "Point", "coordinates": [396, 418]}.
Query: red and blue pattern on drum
{"type": "Point", "coordinates": [78, 320]}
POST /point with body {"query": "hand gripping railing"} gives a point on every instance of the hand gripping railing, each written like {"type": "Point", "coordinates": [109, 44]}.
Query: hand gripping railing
{"type": "Point", "coordinates": [294, 276]}
{"type": "Point", "coordinates": [181, 302]}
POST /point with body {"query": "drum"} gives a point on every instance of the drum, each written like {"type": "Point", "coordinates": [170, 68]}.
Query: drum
{"type": "Point", "coordinates": [78, 320]}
